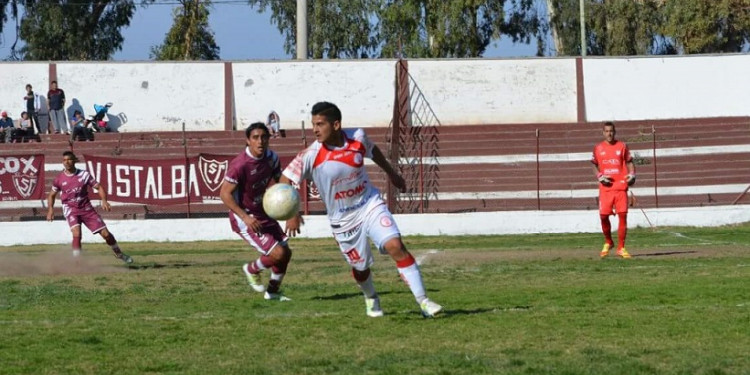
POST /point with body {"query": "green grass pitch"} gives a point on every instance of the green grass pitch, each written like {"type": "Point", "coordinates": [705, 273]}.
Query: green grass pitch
{"type": "Point", "coordinates": [533, 304]}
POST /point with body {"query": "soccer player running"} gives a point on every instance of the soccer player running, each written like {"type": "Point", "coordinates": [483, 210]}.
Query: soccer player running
{"type": "Point", "coordinates": [335, 162]}
{"type": "Point", "coordinates": [242, 192]}
{"type": "Point", "coordinates": [72, 185]}
{"type": "Point", "coordinates": [615, 172]}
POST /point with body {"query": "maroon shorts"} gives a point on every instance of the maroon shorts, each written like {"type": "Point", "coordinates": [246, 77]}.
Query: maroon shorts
{"type": "Point", "coordinates": [271, 234]}
{"type": "Point", "coordinates": [90, 218]}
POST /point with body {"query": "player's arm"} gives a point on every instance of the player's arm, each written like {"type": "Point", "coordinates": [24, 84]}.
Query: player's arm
{"type": "Point", "coordinates": [51, 204]}
{"type": "Point", "coordinates": [227, 196]}
{"type": "Point", "coordinates": [380, 160]}
{"type": "Point", "coordinates": [293, 225]}
{"type": "Point", "coordinates": [103, 197]}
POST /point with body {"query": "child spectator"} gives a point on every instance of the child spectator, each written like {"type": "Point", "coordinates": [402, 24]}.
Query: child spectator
{"type": "Point", "coordinates": [274, 124]}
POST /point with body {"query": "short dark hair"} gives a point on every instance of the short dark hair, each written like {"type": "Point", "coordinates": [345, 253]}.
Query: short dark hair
{"type": "Point", "coordinates": [70, 154]}
{"type": "Point", "coordinates": [256, 125]}
{"type": "Point", "coordinates": [609, 123]}
{"type": "Point", "coordinates": [77, 112]}
{"type": "Point", "coordinates": [329, 110]}
{"type": "Point", "coordinates": [55, 82]}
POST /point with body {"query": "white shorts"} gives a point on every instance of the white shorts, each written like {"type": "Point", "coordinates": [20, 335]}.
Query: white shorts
{"type": "Point", "coordinates": [378, 225]}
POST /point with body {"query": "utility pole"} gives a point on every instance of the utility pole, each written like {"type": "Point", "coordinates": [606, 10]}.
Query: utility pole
{"type": "Point", "coordinates": [301, 29]}
{"type": "Point", "coordinates": [583, 28]}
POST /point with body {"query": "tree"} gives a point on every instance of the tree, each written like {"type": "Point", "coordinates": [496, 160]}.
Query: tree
{"type": "Point", "coordinates": [413, 28]}
{"type": "Point", "coordinates": [641, 27]}
{"type": "Point", "coordinates": [335, 28]}
{"type": "Point", "coordinates": [698, 26]}
{"type": "Point", "coordinates": [71, 30]}
{"type": "Point", "coordinates": [190, 37]}
{"type": "Point", "coordinates": [436, 28]}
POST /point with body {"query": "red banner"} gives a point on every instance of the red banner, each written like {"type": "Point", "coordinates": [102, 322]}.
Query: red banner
{"type": "Point", "coordinates": [161, 182]}
{"type": "Point", "coordinates": [21, 177]}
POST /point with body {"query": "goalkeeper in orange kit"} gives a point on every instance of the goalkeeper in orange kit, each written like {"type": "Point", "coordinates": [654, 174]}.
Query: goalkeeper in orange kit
{"type": "Point", "coordinates": [615, 171]}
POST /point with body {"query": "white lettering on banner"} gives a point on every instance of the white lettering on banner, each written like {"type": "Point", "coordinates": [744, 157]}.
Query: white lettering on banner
{"type": "Point", "coordinates": [160, 183]}
{"type": "Point", "coordinates": [137, 169]}
{"type": "Point", "coordinates": [109, 179]}
{"type": "Point", "coordinates": [150, 184]}
{"type": "Point", "coordinates": [178, 183]}
{"type": "Point", "coordinates": [11, 164]}
{"type": "Point", "coordinates": [122, 180]}
{"type": "Point", "coordinates": [127, 180]}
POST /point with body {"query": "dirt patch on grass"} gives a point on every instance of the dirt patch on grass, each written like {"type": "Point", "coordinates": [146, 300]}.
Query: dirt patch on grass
{"type": "Point", "coordinates": [56, 263]}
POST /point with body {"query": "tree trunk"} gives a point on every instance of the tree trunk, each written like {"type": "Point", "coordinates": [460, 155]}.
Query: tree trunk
{"type": "Point", "coordinates": [553, 26]}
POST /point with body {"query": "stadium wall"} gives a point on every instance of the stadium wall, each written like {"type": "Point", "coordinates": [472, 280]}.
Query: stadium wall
{"type": "Point", "coordinates": [159, 96]}
{"type": "Point", "coordinates": [478, 223]}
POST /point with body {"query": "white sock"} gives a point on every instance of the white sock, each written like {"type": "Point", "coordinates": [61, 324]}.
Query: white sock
{"type": "Point", "coordinates": [277, 276]}
{"type": "Point", "coordinates": [368, 287]}
{"type": "Point", "coordinates": [413, 278]}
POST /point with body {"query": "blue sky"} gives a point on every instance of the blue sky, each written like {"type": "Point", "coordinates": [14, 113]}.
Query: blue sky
{"type": "Point", "coordinates": [240, 31]}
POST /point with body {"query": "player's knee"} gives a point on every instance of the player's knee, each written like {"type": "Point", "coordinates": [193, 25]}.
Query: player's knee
{"type": "Point", "coordinates": [281, 254]}
{"type": "Point", "coordinates": [360, 276]}
{"type": "Point", "coordinates": [395, 246]}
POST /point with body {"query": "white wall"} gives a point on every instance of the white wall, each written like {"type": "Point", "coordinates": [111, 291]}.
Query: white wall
{"type": "Point", "coordinates": [498, 91]}
{"type": "Point", "coordinates": [363, 90]}
{"type": "Point", "coordinates": [667, 87]}
{"type": "Point", "coordinates": [149, 96]}
{"type": "Point", "coordinates": [480, 223]}
{"type": "Point", "coordinates": [14, 76]}
{"type": "Point", "coordinates": [154, 96]}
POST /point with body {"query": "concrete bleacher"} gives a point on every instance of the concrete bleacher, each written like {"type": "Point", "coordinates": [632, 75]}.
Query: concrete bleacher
{"type": "Point", "coordinates": [469, 168]}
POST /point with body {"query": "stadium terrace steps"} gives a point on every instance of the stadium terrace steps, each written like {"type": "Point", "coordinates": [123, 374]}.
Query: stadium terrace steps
{"type": "Point", "coordinates": [470, 168]}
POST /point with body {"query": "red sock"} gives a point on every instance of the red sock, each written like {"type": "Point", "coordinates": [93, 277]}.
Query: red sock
{"type": "Point", "coordinates": [76, 243]}
{"type": "Point", "coordinates": [606, 229]}
{"type": "Point", "coordinates": [622, 230]}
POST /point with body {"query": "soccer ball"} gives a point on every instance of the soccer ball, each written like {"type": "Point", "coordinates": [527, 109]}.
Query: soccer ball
{"type": "Point", "coordinates": [281, 201]}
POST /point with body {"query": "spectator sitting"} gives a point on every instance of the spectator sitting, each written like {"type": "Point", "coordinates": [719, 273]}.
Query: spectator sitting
{"type": "Point", "coordinates": [6, 127]}
{"type": "Point", "coordinates": [100, 118]}
{"type": "Point", "coordinates": [81, 129]}
{"type": "Point", "coordinates": [273, 123]}
{"type": "Point", "coordinates": [25, 128]}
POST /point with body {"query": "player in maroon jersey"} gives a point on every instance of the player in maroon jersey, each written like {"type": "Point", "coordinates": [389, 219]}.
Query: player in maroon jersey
{"type": "Point", "coordinates": [73, 186]}
{"type": "Point", "coordinates": [242, 192]}
{"type": "Point", "coordinates": [615, 171]}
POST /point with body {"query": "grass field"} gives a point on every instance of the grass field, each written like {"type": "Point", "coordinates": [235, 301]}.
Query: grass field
{"type": "Point", "coordinates": [537, 304]}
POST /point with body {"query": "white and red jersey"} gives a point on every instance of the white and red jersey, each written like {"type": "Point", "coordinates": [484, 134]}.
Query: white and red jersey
{"type": "Point", "coordinates": [251, 175]}
{"type": "Point", "coordinates": [612, 160]}
{"type": "Point", "coordinates": [340, 176]}
{"type": "Point", "coordinates": [73, 189]}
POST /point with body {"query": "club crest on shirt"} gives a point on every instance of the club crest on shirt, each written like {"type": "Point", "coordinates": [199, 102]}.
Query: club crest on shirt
{"type": "Point", "coordinates": [385, 221]}
{"type": "Point", "coordinates": [617, 152]}
{"type": "Point", "coordinates": [212, 172]}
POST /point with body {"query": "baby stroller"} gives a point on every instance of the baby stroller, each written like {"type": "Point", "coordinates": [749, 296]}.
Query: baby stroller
{"type": "Point", "coordinates": [101, 119]}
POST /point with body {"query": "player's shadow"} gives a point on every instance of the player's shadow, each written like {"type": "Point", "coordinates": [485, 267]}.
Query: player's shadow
{"type": "Point", "coordinates": [340, 296]}
{"type": "Point", "coordinates": [664, 253]}
{"type": "Point", "coordinates": [149, 266]}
